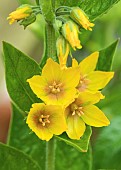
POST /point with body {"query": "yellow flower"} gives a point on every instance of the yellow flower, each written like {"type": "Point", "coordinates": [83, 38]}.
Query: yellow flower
{"type": "Point", "coordinates": [46, 120]}
{"type": "Point", "coordinates": [81, 18]}
{"type": "Point", "coordinates": [70, 32]}
{"type": "Point", "coordinates": [20, 13]}
{"type": "Point", "coordinates": [91, 80]}
{"type": "Point", "coordinates": [62, 50]}
{"type": "Point", "coordinates": [55, 86]}
{"type": "Point", "coordinates": [83, 111]}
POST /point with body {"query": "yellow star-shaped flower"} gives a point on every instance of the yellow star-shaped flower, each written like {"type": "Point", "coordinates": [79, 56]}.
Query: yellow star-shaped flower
{"type": "Point", "coordinates": [91, 80]}
{"type": "Point", "coordinates": [81, 112]}
{"type": "Point", "coordinates": [46, 120]}
{"type": "Point", "coordinates": [55, 86]}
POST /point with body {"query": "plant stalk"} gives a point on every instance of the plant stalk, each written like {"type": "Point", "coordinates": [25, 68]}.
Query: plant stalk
{"type": "Point", "coordinates": [50, 154]}
{"type": "Point", "coordinates": [47, 7]}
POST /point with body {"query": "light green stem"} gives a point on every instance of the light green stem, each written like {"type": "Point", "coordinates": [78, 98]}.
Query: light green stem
{"type": "Point", "coordinates": [47, 7]}
{"type": "Point", "coordinates": [50, 154]}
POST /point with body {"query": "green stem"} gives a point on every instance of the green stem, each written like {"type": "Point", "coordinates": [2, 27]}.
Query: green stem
{"type": "Point", "coordinates": [47, 10]}
{"type": "Point", "coordinates": [50, 154]}
{"type": "Point", "coordinates": [49, 45]}
{"type": "Point", "coordinates": [47, 7]}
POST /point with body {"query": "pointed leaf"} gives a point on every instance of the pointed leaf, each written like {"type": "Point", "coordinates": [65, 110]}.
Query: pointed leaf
{"type": "Point", "coordinates": [68, 158]}
{"type": "Point", "coordinates": [13, 159]}
{"type": "Point", "coordinates": [82, 144]}
{"type": "Point", "coordinates": [106, 57]}
{"type": "Point", "coordinates": [18, 68]}
{"type": "Point", "coordinates": [93, 8]}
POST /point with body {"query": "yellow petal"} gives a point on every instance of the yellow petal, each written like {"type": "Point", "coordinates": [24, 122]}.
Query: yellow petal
{"type": "Point", "coordinates": [89, 98]}
{"type": "Point", "coordinates": [71, 77]}
{"type": "Point", "coordinates": [89, 63]}
{"type": "Point", "coordinates": [57, 119]}
{"type": "Point", "coordinates": [76, 127]}
{"type": "Point", "coordinates": [99, 79]}
{"type": "Point", "coordinates": [38, 85]}
{"type": "Point", "coordinates": [52, 71]}
{"type": "Point", "coordinates": [93, 116]}
{"type": "Point", "coordinates": [74, 62]}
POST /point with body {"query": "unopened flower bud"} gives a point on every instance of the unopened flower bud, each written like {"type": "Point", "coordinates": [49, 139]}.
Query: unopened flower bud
{"type": "Point", "coordinates": [22, 12]}
{"type": "Point", "coordinates": [62, 50]}
{"type": "Point", "coordinates": [79, 16]}
{"type": "Point", "coordinates": [70, 32]}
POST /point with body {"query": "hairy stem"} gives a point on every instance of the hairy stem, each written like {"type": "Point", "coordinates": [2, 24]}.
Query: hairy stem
{"type": "Point", "coordinates": [50, 154]}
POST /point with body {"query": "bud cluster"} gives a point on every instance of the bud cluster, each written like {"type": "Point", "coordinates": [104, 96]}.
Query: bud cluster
{"type": "Point", "coordinates": [69, 32]}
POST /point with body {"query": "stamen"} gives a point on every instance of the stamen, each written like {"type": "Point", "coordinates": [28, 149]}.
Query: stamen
{"type": "Point", "coordinates": [55, 88]}
{"type": "Point", "coordinates": [73, 113]}
{"type": "Point", "coordinates": [77, 110]}
{"type": "Point", "coordinates": [44, 119]}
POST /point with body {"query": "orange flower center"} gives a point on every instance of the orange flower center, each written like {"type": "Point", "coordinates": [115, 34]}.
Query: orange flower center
{"type": "Point", "coordinates": [55, 87]}
{"type": "Point", "coordinates": [75, 109]}
{"type": "Point", "coordinates": [44, 119]}
{"type": "Point", "coordinates": [83, 83]}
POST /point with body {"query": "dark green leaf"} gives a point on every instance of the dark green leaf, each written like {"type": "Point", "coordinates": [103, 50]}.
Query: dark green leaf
{"type": "Point", "coordinates": [13, 159]}
{"type": "Point", "coordinates": [106, 57]}
{"type": "Point", "coordinates": [82, 144]}
{"type": "Point", "coordinates": [93, 8]}
{"type": "Point", "coordinates": [68, 158]}
{"type": "Point", "coordinates": [18, 68]}
{"type": "Point", "coordinates": [107, 149]}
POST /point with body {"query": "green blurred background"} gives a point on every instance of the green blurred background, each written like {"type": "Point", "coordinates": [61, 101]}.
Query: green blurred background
{"type": "Point", "coordinates": [106, 142]}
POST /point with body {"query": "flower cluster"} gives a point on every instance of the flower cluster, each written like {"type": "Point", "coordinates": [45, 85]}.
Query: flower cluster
{"type": "Point", "coordinates": [68, 96]}
{"type": "Point", "coordinates": [69, 34]}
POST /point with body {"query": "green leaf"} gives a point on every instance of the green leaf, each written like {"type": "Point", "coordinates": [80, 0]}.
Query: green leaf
{"type": "Point", "coordinates": [106, 57]}
{"type": "Point", "coordinates": [13, 159]}
{"type": "Point", "coordinates": [93, 8]}
{"type": "Point", "coordinates": [82, 144]}
{"type": "Point", "coordinates": [18, 68]}
{"type": "Point", "coordinates": [68, 158]}
{"type": "Point", "coordinates": [107, 149]}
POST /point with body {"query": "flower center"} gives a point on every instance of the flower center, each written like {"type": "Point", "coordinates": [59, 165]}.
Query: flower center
{"type": "Point", "coordinates": [44, 119]}
{"type": "Point", "coordinates": [83, 83]}
{"type": "Point", "coordinates": [75, 109]}
{"type": "Point", "coordinates": [55, 87]}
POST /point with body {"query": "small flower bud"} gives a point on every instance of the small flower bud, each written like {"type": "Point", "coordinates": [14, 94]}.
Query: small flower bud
{"type": "Point", "coordinates": [22, 12]}
{"type": "Point", "coordinates": [70, 32]}
{"type": "Point", "coordinates": [62, 50]}
{"type": "Point", "coordinates": [81, 18]}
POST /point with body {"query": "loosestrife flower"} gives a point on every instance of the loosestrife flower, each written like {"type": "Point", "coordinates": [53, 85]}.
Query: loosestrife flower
{"type": "Point", "coordinates": [82, 111]}
{"type": "Point", "coordinates": [91, 80]}
{"type": "Point", "coordinates": [55, 86]}
{"type": "Point", "coordinates": [62, 50]}
{"type": "Point", "coordinates": [46, 120]}
{"type": "Point", "coordinates": [81, 18]}
{"type": "Point", "coordinates": [20, 13]}
{"type": "Point", "coordinates": [70, 31]}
